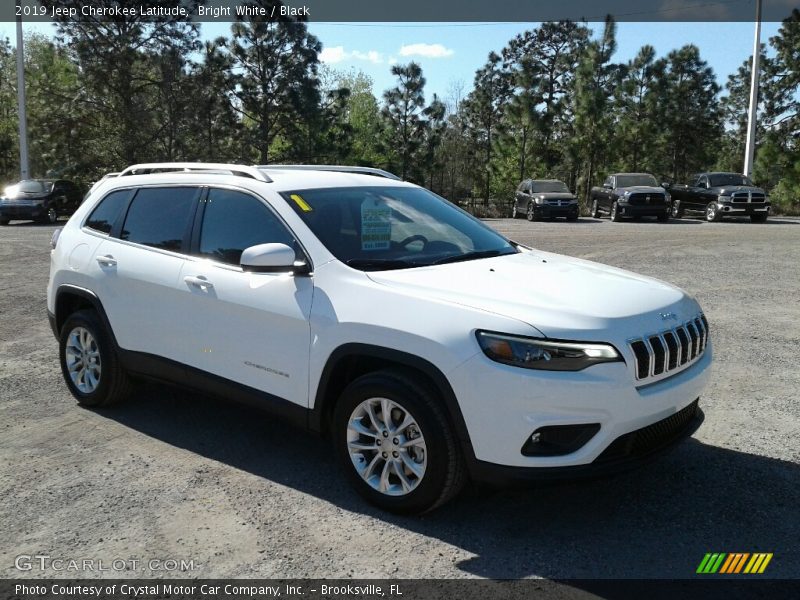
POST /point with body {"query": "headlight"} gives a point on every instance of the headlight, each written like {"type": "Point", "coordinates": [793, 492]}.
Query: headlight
{"type": "Point", "coordinates": [539, 200]}
{"type": "Point", "coordinates": [532, 353]}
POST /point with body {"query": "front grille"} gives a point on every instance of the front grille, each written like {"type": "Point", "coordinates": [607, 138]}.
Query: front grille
{"type": "Point", "coordinates": [747, 197]}
{"type": "Point", "coordinates": [654, 199]}
{"type": "Point", "coordinates": [640, 443]}
{"type": "Point", "coordinates": [663, 352]}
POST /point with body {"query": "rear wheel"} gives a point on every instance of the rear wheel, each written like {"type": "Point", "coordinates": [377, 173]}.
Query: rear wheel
{"type": "Point", "coordinates": [395, 443]}
{"type": "Point", "coordinates": [759, 218]}
{"type": "Point", "coordinates": [89, 363]}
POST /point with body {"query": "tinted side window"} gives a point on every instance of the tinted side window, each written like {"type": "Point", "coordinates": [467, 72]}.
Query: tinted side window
{"type": "Point", "coordinates": [105, 214]}
{"type": "Point", "coordinates": [234, 221]}
{"type": "Point", "coordinates": [159, 217]}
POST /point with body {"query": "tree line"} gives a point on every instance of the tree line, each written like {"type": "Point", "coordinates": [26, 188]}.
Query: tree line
{"type": "Point", "coordinates": [553, 103]}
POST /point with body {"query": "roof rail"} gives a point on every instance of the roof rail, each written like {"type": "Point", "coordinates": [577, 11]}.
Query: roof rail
{"type": "Point", "coordinates": [337, 168]}
{"type": "Point", "coordinates": [242, 170]}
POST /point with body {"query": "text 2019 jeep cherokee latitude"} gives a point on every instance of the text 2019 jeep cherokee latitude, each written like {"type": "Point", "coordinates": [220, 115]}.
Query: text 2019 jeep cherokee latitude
{"type": "Point", "coordinates": [429, 347]}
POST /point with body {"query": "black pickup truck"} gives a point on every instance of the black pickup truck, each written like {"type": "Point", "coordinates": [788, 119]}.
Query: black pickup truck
{"type": "Point", "coordinates": [717, 195]}
{"type": "Point", "coordinates": [630, 195]}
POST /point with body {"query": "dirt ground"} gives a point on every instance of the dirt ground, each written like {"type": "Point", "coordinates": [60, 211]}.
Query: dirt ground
{"type": "Point", "coordinates": [234, 493]}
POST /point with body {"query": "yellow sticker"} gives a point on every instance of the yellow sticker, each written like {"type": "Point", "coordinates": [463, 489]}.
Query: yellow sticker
{"type": "Point", "coordinates": [301, 203]}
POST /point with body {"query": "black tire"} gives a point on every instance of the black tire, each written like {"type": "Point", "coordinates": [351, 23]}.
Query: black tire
{"type": "Point", "coordinates": [615, 213]}
{"type": "Point", "coordinates": [114, 384]}
{"type": "Point", "coordinates": [445, 472]}
{"type": "Point", "coordinates": [572, 218]}
{"type": "Point", "coordinates": [760, 218]}
{"type": "Point", "coordinates": [530, 214]}
{"type": "Point", "coordinates": [595, 209]}
{"type": "Point", "coordinates": [663, 218]}
{"type": "Point", "coordinates": [713, 215]}
{"type": "Point", "coordinates": [677, 211]}
{"type": "Point", "coordinates": [5, 222]}
{"type": "Point", "coordinates": [514, 213]}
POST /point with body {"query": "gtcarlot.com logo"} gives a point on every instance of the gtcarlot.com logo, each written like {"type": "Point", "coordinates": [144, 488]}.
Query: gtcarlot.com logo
{"type": "Point", "coordinates": [44, 562]}
{"type": "Point", "coordinates": [731, 563]}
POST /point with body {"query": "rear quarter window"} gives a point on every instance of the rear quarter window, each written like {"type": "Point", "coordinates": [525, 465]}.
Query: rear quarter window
{"type": "Point", "coordinates": [107, 212]}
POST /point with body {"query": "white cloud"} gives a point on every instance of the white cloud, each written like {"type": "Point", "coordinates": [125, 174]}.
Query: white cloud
{"type": "Point", "coordinates": [332, 55]}
{"type": "Point", "coordinates": [337, 54]}
{"type": "Point", "coordinates": [392, 60]}
{"type": "Point", "coordinates": [426, 50]}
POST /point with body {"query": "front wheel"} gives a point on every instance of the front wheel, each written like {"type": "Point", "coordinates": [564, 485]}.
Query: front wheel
{"type": "Point", "coordinates": [395, 443]}
{"type": "Point", "coordinates": [89, 362]}
{"type": "Point", "coordinates": [595, 209]}
{"type": "Point", "coordinates": [5, 221]}
{"type": "Point", "coordinates": [514, 213]}
{"type": "Point", "coordinates": [615, 213]}
{"type": "Point", "coordinates": [712, 213]}
{"type": "Point", "coordinates": [530, 215]}
{"type": "Point", "coordinates": [663, 218]}
{"type": "Point", "coordinates": [677, 211]}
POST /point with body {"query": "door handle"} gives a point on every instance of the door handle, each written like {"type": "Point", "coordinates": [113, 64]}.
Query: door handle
{"type": "Point", "coordinates": [107, 261]}
{"type": "Point", "coordinates": [199, 282]}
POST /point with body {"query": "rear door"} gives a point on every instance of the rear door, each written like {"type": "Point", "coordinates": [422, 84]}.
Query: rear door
{"type": "Point", "coordinates": [137, 268]}
{"type": "Point", "coordinates": [251, 328]}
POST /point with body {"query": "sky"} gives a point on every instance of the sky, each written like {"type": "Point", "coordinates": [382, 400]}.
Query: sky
{"type": "Point", "coordinates": [450, 53]}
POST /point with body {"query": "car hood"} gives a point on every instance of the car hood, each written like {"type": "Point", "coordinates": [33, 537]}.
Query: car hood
{"type": "Point", "coordinates": [554, 195]}
{"type": "Point", "coordinates": [562, 297]}
{"type": "Point", "coordinates": [642, 189]}
{"type": "Point", "coordinates": [727, 190]}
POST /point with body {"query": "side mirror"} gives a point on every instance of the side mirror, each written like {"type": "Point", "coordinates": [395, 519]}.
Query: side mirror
{"type": "Point", "coordinates": [268, 258]}
{"type": "Point", "coordinates": [607, 185]}
{"type": "Point", "coordinates": [666, 185]}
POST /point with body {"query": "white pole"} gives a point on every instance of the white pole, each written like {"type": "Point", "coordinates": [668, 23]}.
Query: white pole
{"type": "Point", "coordinates": [23, 118]}
{"type": "Point", "coordinates": [750, 146]}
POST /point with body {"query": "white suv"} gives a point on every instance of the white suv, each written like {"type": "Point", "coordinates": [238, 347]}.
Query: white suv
{"type": "Point", "coordinates": [427, 346]}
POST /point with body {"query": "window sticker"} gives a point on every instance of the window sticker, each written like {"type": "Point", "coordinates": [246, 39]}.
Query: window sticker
{"type": "Point", "coordinates": [301, 203]}
{"type": "Point", "coordinates": [376, 226]}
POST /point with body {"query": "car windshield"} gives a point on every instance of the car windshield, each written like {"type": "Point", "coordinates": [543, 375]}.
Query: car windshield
{"type": "Point", "coordinates": [728, 179]}
{"type": "Point", "coordinates": [550, 186]}
{"type": "Point", "coordinates": [380, 228]}
{"type": "Point", "coordinates": [632, 180]}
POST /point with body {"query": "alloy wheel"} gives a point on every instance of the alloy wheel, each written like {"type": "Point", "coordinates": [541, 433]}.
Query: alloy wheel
{"type": "Point", "coordinates": [83, 360]}
{"type": "Point", "coordinates": [386, 446]}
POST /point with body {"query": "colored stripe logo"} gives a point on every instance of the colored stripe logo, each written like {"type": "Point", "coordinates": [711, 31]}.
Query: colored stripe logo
{"type": "Point", "coordinates": [734, 562]}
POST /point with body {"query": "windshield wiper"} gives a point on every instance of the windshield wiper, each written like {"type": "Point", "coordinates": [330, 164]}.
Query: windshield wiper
{"type": "Point", "coordinates": [379, 264]}
{"type": "Point", "coordinates": [470, 256]}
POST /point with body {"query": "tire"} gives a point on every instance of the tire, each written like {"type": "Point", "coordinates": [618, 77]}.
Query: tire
{"type": "Point", "coordinates": [530, 215]}
{"type": "Point", "coordinates": [514, 213]}
{"type": "Point", "coordinates": [615, 213]}
{"type": "Point", "coordinates": [572, 218]}
{"type": "Point", "coordinates": [112, 384]}
{"type": "Point", "coordinates": [712, 214]}
{"type": "Point", "coordinates": [663, 218]}
{"type": "Point", "coordinates": [443, 472]}
{"type": "Point", "coordinates": [595, 209]}
{"type": "Point", "coordinates": [52, 215]}
{"type": "Point", "coordinates": [761, 218]}
{"type": "Point", "coordinates": [4, 222]}
{"type": "Point", "coordinates": [677, 211]}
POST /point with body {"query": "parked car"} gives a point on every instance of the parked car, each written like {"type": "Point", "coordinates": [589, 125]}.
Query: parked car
{"type": "Point", "coordinates": [544, 199]}
{"type": "Point", "coordinates": [427, 346]}
{"type": "Point", "coordinates": [42, 200]}
{"type": "Point", "coordinates": [630, 195]}
{"type": "Point", "coordinates": [716, 195]}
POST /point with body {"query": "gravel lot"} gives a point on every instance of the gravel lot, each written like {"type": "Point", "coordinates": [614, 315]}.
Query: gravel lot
{"type": "Point", "coordinates": [177, 476]}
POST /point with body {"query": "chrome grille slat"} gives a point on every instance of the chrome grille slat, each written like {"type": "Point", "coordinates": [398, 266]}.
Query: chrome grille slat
{"type": "Point", "coordinates": [670, 350]}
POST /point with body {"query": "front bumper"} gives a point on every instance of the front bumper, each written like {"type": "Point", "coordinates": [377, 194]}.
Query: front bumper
{"type": "Point", "coordinates": [743, 208]}
{"type": "Point", "coordinates": [22, 211]}
{"type": "Point", "coordinates": [546, 211]}
{"type": "Point", "coordinates": [503, 405]}
{"type": "Point", "coordinates": [642, 210]}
